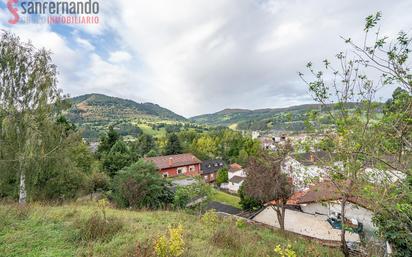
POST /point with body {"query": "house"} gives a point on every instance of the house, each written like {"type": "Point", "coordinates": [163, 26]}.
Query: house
{"type": "Point", "coordinates": [323, 198]}
{"type": "Point", "coordinates": [178, 164]}
{"type": "Point", "coordinates": [304, 167]}
{"type": "Point", "coordinates": [209, 169]}
{"type": "Point", "coordinates": [236, 176]}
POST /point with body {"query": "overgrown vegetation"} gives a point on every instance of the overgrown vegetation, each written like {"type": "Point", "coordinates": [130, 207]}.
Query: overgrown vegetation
{"type": "Point", "coordinates": [54, 231]}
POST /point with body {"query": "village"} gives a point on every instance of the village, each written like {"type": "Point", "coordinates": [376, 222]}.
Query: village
{"type": "Point", "coordinates": [230, 128]}
{"type": "Point", "coordinates": [313, 210]}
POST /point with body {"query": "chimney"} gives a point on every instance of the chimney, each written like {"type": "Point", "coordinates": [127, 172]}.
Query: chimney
{"type": "Point", "coordinates": [170, 161]}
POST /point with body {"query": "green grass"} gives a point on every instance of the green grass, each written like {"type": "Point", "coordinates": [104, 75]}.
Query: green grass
{"type": "Point", "coordinates": [150, 131]}
{"type": "Point", "coordinates": [40, 230]}
{"type": "Point", "coordinates": [220, 196]}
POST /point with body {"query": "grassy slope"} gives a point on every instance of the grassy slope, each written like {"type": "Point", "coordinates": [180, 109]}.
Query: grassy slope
{"type": "Point", "coordinates": [226, 198]}
{"type": "Point", "coordinates": [51, 231]}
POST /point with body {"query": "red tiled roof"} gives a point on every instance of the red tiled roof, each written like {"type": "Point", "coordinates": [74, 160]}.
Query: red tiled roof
{"type": "Point", "coordinates": [171, 161]}
{"type": "Point", "coordinates": [321, 192]}
{"type": "Point", "coordinates": [234, 167]}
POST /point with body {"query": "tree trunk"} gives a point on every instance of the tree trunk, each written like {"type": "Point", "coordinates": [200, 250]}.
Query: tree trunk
{"type": "Point", "coordinates": [22, 187]}
{"type": "Point", "coordinates": [280, 213]}
{"type": "Point", "coordinates": [344, 246]}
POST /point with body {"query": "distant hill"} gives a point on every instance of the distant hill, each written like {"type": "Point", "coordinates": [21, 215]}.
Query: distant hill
{"type": "Point", "coordinates": [95, 112]}
{"type": "Point", "coordinates": [289, 118]}
{"type": "Point", "coordinates": [98, 107]}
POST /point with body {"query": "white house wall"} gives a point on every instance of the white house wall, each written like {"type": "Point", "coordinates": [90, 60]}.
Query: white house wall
{"type": "Point", "coordinates": [352, 211]}
{"type": "Point", "coordinates": [240, 173]}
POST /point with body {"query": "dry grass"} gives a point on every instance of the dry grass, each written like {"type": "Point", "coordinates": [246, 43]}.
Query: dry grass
{"type": "Point", "coordinates": [42, 230]}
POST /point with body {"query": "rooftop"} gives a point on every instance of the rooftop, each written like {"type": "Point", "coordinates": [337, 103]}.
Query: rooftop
{"type": "Point", "coordinates": [176, 160]}
{"type": "Point", "coordinates": [211, 166]}
{"type": "Point", "coordinates": [234, 167]}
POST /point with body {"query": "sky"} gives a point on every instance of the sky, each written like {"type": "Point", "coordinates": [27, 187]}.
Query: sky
{"type": "Point", "coordinates": [202, 56]}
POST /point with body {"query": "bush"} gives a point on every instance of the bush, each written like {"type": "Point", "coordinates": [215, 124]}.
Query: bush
{"type": "Point", "coordinates": [210, 218]}
{"type": "Point", "coordinates": [222, 176]}
{"type": "Point", "coordinates": [247, 202]}
{"type": "Point", "coordinates": [172, 246]}
{"type": "Point", "coordinates": [185, 194]}
{"type": "Point", "coordinates": [141, 186]}
{"type": "Point", "coordinates": [98, 228]}
{"type": "Point", "coordinates": [227, 237]}
{"type": "Point", "coordinates": [98, 182]}
{"type": "Point", "coordinates": [240, 223]}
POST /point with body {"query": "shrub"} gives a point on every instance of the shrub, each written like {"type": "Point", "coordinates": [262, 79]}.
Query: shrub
{"type": "Point", "coordinates": [227, 237]}
{"type": "Point", "coordinates": [240, 223]}
{"type": "Point", "coordinates": [210, 218]}
{"type": "Point", "coordinates": [185, 194]}
{"type": "Point", "coordinates": [284, 252]}
{"type": "Point", "coordinates": [173, 246]}
{"type": "Point", "coordinates": [141, 186]}
{"type": "Point", "coordinates": [99, 228]}
{"type": "Point", "coordinates": [98, 182]}
{"type": "Point", "coordinates": [222, 176]}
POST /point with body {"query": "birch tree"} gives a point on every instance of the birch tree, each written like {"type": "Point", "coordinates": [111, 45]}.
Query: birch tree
{"type": "Point", "coordinates": [28, 98]}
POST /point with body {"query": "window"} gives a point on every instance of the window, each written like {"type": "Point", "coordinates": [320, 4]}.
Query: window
{"type": "Point", "coordinates": [215, 164]}
{"type": "Point", "coordinates": [212, 175]}
{"type": "Point", "coordinates": [221, 164]}
{"type": "Point", "coordinates": [192, 168]}
{"type": "Point", "coordinates": [165, 175]}
{"type": "Point", "coordinates": [179, 170]}
{"type": "Point", "coordinates": [205, 177]}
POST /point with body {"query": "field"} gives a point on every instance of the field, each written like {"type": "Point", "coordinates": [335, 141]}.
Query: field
{"type": "Point", "coordinates": [41, 230]}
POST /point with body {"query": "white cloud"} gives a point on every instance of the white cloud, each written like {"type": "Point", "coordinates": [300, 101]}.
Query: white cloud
{"type": "Point", "coordinates": [119, 57]}
{"type": "Point", "coordinates": [201, 56]}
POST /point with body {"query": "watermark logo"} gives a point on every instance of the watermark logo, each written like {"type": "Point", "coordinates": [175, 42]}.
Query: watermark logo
{"type": "Point", "coordinates": [13, 11]}
{"type": "Point", "coordinates": [54, 12]}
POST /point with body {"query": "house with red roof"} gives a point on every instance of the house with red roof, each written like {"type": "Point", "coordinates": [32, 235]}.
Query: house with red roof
{"type": "Point", "coordinates": [178, 164]}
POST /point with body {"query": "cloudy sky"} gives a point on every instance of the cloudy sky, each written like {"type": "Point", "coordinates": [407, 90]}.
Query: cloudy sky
{"type": "Point", "coordinates": [201, 56]}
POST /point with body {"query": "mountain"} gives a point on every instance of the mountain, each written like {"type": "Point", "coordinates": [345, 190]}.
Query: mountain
{"type": "Point", "coordinates": [103, 108]}
{"type": "Point", "coordinates": [289, 118]}
{"type": "Point", "coordinates": [94, 113]}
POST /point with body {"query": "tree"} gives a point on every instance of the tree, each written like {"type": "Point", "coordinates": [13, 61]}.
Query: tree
{"type": "Point", "coordinates": [107, 141]}
{"type": "Point", "coordinates": [359, 137]}
{"type": "Point", "coordinates": [29, 99]}
{"type": "Point", "coordinates": [222, 176]}
{"type": "Point", "coordinates": [141, 186]}
{"type": "Point", "coordinates": [117, 158]}
{"type": "Point", "coordinates": [247, 202]}
{"type": "Point", "coordinates": [143, 145]}
{"type": "Point", "coordinates": [266, 182]}
{"type": "Point", "coordinates": [173, 145]}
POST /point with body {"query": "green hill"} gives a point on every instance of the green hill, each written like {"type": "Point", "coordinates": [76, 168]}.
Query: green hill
{"type": "Point", "coordinates": [80, 230]}
{"type": "Point", "coordinates": [261, 119]}
{"type": "Point", "coordinates": [93, 113]}
{"type": "Point", "coordinates": [289, 118]}
{"type": "Point", "coordinates": [98, 107]}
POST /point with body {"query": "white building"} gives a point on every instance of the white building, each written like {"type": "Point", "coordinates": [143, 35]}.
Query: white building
{"type": "Point", "coordinates": [236, 176]}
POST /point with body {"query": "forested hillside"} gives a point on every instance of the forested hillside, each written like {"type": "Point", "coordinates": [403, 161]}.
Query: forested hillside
{"type": "Point", "coordinates": [93, 113]}
{"type": "Point", "coordinates": [290, 118]}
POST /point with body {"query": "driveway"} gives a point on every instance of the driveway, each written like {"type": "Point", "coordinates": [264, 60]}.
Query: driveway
{"type": "Point", "coordinates": [305, 224]}
{"type": "Point", "coordinates": [220, 207]}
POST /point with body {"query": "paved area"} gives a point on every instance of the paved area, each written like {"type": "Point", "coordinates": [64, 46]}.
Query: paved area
{"type": "Point", "coordinates": [220, 207]}
{"type": "Point", "coordinates": [305, 224]}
